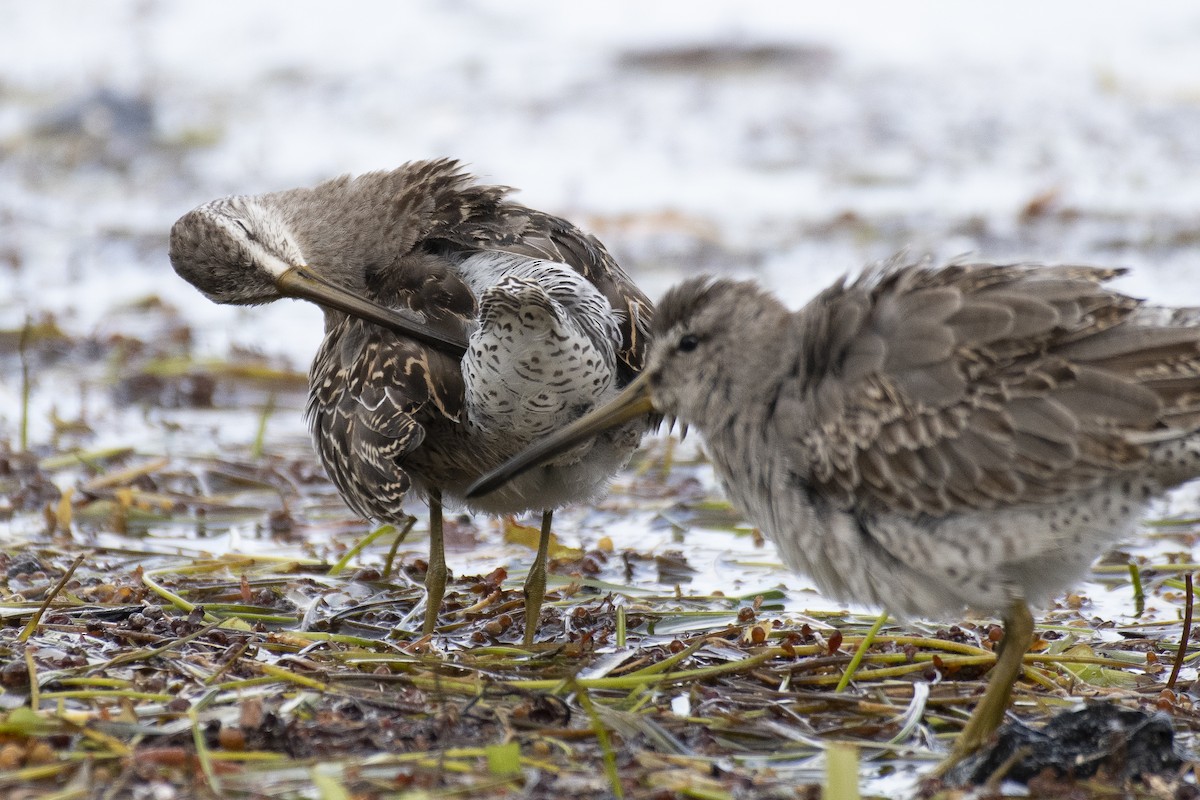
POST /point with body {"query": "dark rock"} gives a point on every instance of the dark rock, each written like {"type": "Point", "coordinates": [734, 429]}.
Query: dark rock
{"type": "Point", "coordinates": [1120, 743]}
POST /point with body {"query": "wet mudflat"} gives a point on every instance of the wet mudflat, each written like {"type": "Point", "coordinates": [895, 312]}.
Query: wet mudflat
{"type": "Point", "coordinates": [198, 624]}
{"type": "Point", "coordinates": [186, 611]}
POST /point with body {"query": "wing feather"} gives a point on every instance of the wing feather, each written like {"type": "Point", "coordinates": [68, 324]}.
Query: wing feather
{"type": "Point", "coordinates": [967, 387]}
{"type": "Point", "coordinates": [373, 394]}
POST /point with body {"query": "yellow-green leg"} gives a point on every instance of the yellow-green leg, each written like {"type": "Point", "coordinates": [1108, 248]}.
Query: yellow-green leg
{"type": "Point", "coordinates": [535, 582]}
{"type": "Point", "coordinates": [435, 576]}
{"type": "Point", "coordinates": [989, 713]}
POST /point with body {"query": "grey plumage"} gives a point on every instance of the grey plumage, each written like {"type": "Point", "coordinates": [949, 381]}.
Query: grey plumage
{"type": "Point", "coordinates": [890, 443]}
{"type": "Point", "coordinates": [927, 439]}
{"type": "Point", "coordinates": [459, 326]}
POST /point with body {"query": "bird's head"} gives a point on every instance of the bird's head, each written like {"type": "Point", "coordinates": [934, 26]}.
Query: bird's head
{"type": "Point", "coordinates": [243, 251]}
{"type": "Point", "coordinates": [705, 335]}
{"type": "Point", "coordinates": [236, 251]}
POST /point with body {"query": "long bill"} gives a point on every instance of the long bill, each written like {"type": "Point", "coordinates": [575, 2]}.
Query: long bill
{"type": "Point", "coordinates": [633, 402]}
{"type": "Point", "coordinates": [300, 282]}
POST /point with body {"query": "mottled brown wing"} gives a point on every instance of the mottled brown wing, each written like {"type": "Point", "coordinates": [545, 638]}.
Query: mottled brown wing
{"type": "Point", "coordinates": [479, 217]}
{"type": "Point", "coordinates": [372, 394]}
{"type": "Point", "coordinates": [968, 387]}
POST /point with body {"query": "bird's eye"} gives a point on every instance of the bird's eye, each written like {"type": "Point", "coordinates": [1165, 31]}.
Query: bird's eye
{"type": "Point", "coordinates": [246, 230]}
{"type": "Point", "coordinates": [688, 342]}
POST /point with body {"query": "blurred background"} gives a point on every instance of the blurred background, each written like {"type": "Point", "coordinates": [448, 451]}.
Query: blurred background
{"type": "Point", "coordinates": [788, 142]}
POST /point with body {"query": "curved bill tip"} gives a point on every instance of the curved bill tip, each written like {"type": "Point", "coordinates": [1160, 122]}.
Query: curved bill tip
{"type": "Point", "coordinates": [633, 402]}
{"type": "Point", "coordinates": [302, 283]}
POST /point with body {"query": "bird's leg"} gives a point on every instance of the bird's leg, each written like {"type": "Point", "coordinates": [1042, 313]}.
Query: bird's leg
{"type": "Point", "coordinates": [435, 575]}
{"type": "Point", "coordinates": [390, 561]}
{"type": "Point", "coordinates": [535, 582]}
{"type": "Point", "coordinates": [989, 712]}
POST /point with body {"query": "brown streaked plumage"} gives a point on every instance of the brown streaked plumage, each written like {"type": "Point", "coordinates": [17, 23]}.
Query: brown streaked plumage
{"type": "Point", "coordinates": [459, 327]}
{"type": "Point", "coordinates": [928, 439]}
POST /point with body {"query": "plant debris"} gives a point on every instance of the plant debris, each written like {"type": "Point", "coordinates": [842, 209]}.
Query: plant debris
{"type": "Point", "coordinates": [164, 663]}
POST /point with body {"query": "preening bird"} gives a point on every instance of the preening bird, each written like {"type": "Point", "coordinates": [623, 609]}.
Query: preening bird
{"type": "Point", "coordinates": [460, 326]}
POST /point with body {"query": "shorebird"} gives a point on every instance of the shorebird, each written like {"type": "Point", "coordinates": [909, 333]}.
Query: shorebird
{"type": "Point", "coordinates": [928, 439]}
{"type": "Point", "coordinates": [459, 327]}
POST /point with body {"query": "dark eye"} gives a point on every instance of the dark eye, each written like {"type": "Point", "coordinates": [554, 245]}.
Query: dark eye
{"type": "Point", "coordinates": [688, 342]}
{"type": "Point", "coordinates": [246, 230]}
